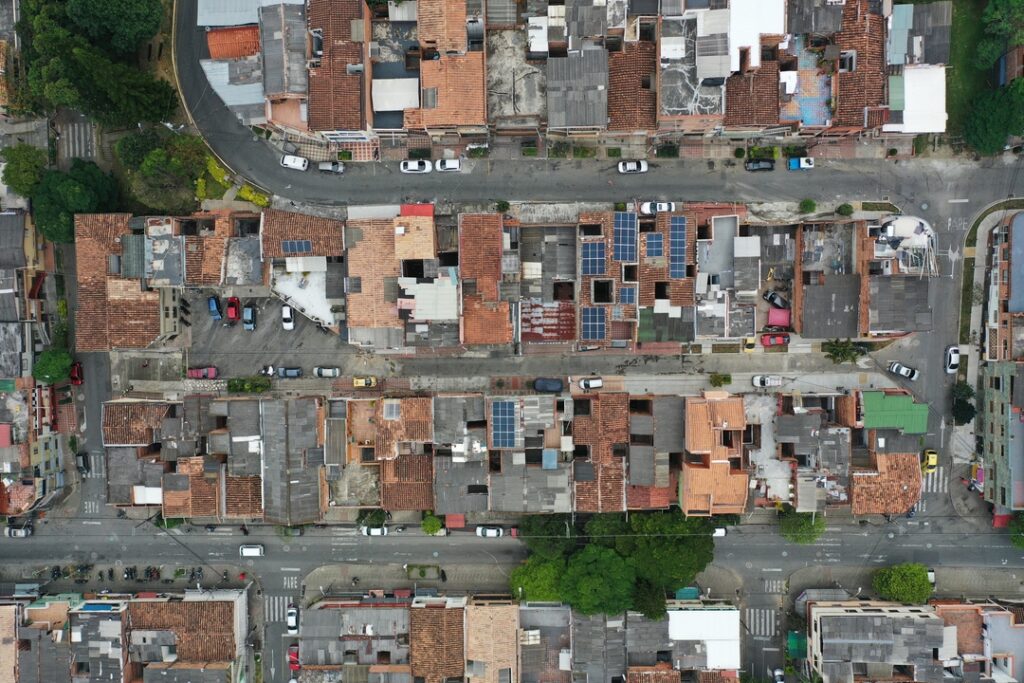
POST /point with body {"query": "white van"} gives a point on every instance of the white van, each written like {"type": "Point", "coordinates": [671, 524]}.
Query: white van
{"type": "Point", "coordinates": [297, 163]}
{"type": "Point", "coordinates": [589, 383]}
{"type": "Point", "coordinates": [255, 550]}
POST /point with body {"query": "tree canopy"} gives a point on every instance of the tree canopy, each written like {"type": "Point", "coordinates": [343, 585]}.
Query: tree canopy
{"type": "Point", "coordinates": [598, 580]}
{"type": "Point", "coordinates": [996, 114]}
{"type": "Point", "coordinates": [841, 351]}
{"type": "Point", "coordinates": [551, 537]}
{"type": "Point", "coordinates": [906, 582]}
{"type": "Point", "coordinates": [52, 366]}
{"type": "Point", "coordinates": [24, 168]}
{"type": "Point", "coordinates": [59, 196]}
{"type": "Point", "coordinates": [537, 579]}
{"type": "Point", "coordinates": [1017, 529]}
{"type": "Point", "coordinates": [123, 25]}
{"type": "Point", "coordinates": [800, 527]}
{"type": "Point", "coordinates": [162, 168]}
{"type": "Point", "coordinates": [1004, 25]}
{"type": "Point", "coordinates": [431, 524]}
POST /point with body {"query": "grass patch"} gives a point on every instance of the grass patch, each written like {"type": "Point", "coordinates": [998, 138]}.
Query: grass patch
{"type": "Point", "coordinates": [667, 151]}
{"type": "Point", "coordinates": [528, 151]}
{"type": "Point", "coordinates": [250, 194]}
{"type": "Point", "coordinates": [964, 81]}
{"type": "Point", "coordinates": [762, 153]}
{"type": "Point", "coordinates": [559, 150]}
{"type": "Point", "coordinates": [920, 145]}
{"type": "Point", "coordinates": [419, 153]}
{"type": "Point", "coordinates": [1009, 204]}
{"type": "Point", "coordinates": [248, 385]}
{"type": "Point", "coordinates": [966, 300]}
{"type": "Point", "coordinates": [345, 155]}
{"type": "Point", "coordinates": [478, 152]}
{"type": "Point", "coordinates": [613, 152]}
{"type": "Point", "coordinates": [879, 206]}
{"type": "Point", "coordinates": [584, 152]}
{"type": "Point", "coordinates": [725, 348]}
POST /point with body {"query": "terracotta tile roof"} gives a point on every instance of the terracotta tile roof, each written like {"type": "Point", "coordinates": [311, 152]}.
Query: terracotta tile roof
{"type": "Point", "coordinates": [486, 322]}
{"type": "Point", "coordinates": [653, 497]}
{"type": "Point", "coordinates": [659, 673]}
{"type": "Point", "coordinates": [481, 242]}
{"type": "Point", "coordinates": [414, 238]}
{"type": "Point", "coordinates": [204, 260]}
{"type": "Point", "coordinates": [131, 423]}
{"type": "Point", "coordinates": [969, 621]}
{"type": "Point", "coordinates": [327, 235]}
{"type": "Point", "coordinates": [441, 24]}
{"type": "Point", "coordinates": [415, 424]}
{"type": "Point", "coordinates": [547, 321]}
{"type": "Point", "coordinates": [864, 87]}
{"type": "Point", "coordinates": [112, 312]}
{"type": "Point", "coordinates": [892, 488]}
{"type": "Point", "coordinates": [707, 417]}
{"type": "Point", "coordinates": [243, 497]}
{"type": "Point", "coordinates": [606, 427]}
{"type": "Point", "coordinates": [461, 92]}
{"type": "Point", "coordinates": [202, 499]}
{"type": "Point", "coordinates": [371, 260]}
{"type": "Point", "coordinates": [714, 489]}
{"type": "Point", "coordinates": [631, 106]}
{"type": "Point", "coordinates": [407, 483]}
{"type": "Point", "coordinates": [436, 649]}
{"type": "Point", "coordinates": [491, 640]}
{"type": "Point", "coordinates": [233, 42]}
{"type": "Point", "coordinates": [336, 98]}
{"type": "Point", "coordinates": [204, 630]}
{"type": "Point", "coordinates": [752, 99]}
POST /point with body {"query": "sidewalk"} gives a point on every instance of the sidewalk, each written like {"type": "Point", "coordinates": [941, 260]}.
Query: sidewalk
{"type": "Point", "coordinates": [336, 580]}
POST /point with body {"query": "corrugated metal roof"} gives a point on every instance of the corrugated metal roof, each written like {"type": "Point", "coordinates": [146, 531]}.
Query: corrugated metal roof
{"type": "Point", "coordinates": [235, 95]}
{"type": "Point", "coordinates": [578, 90]}
{"type": "Point", "coordinates": [1016, 304]}
{"type": "Point", "coordinates": [899, 33]}
{"type": "Point", "coordinates": [283, 44]}
{"type": "Point", "coordinates": [234, 12]}
{"type": "Point", "coordinates": [12, 239]}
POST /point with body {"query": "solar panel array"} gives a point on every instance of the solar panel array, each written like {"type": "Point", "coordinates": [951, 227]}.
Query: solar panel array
{"type": "Point", "coordinates": [627, 295]}
{"type": "Point", "coordinates": [296, 246]}
{"type": "Point", "coordinates": [593, 258]}
{"type": "Point", "coordinates": [625, 236]}
{"type": "Point", "coordinates": [593, 323]}
{"type": "Point", "coordinates": [655, 244]}
{"type": "Point", "coordinates": [677, 246]}
{"type": "Point", "coordinates": [503, 424]}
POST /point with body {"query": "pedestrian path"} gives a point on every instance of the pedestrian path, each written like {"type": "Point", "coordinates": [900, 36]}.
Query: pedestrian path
{"type": "Point", "coordinates": [275, 606]}
{"type": "Point", "coordinates": [92, 507]}
{"type": "Point", "coordinates": [97, 466]}
{"type": "Point", "coordinates": [77, 141]}
{"type": "Point", "coordinates": [761, 621]}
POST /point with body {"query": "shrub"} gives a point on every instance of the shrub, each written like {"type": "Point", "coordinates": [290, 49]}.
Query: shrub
{"type": "Point", "coordinates": [345, 155]}
{"type": "Point", "coordinates": [248, 385]}
{"type": "Point", "coordinates": [502, 206]}
{"type": "Point", "coordinates": [419, 153]}
{"type": "Point", "coordinates": [528, 151]}
{"type": "Point", "coordinates": [584, 152]}
{"type": "Point", "coordinates": [667, 151]}
{"type": "Point", "coordinates": [613, 152]}
{"type": "Point", "coordinates": [906, 582]}
{"type": "Point", "coordinates": [431, 524]}
{"type": "Point", "coordinates": [52, 366]}
{"type": "Point", "coordinates": [739, 152]}
{"type": "Point", "coordinates": [718, 379]}
{"type": "Point", "coordinates": [620, 206]}
{"type": "Point", "coordinates": [808, 206]}
{"type": "Point", "coordinates": [217, 171]}
{"type": "Point", "coordinates": [372, 517]}
{"type": "Point", "coordinates": [845, 209]}
{"type": "Point", "coordinates": [559, 150]}
{"type": "Point", "coordinates": [250, 194]}
{"type": "Point", "coordinates": [892, 152]}
{"type": "Point", "coordinates": [478, 152]}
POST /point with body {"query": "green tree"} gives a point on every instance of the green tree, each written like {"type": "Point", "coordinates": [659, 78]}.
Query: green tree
{"type": "Point", "coordinates": [995, 115]}
{"type": "Point", "coordinates": [537, 579]}
{"type": "Point", "coordinates": [667, 549]}
{"type": "Point", "coordinates": [132, 149]}
{"type": "Point", "coordinates": [845, 209]}
{"type": "Point", "coordinates": [121, 25]}
{"type": "Point", "coordinates": [801, 527]}
{"type": "Point", "coordinates": [608, 529]}
{"type": "Point", "coordinates": [597, 580]}
{"type": "Point", "coordinates": [52, 366]}
{"type": "Point", "coordinates": [59, 196]}
{"type": "Point", "coordinates": [1017, 529]}
{"type": "Point", "coordinates": [719, 379]}
{"type": "Point", "coordinates": [841, 351]}
{"type": "Point", "coordinates": [117, 94]}
{"type": "Point", "coordinates": [24, 168]}
{"type": "Point", "coordinates": [962, 391]}
{"type": "Point", "coordinates": [963, 412]}
{"type": "Point", "coordinates": [431, 524]}
{"type": "Point", "coordinates": [808, 205]}
{"type": "Point", "coordinates": [649, 599]}
{"type": "Point", "coordinates": [906, 583]}
{"type": "Point", "coordinates": [1004, 26]}
{"type": "Point", "coordinates": [552, 537]}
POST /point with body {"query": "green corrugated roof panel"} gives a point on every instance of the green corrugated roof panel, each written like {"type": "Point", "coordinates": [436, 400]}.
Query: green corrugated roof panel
{"type": "Point", "coordinates": [796, 647]}
{"type": "Point", "coordinates": [7, 385]}
{"type": "Point", "coordinates": [688, 593]}
{"type": "Point", "coordinates": [894, 411]}
{"type": "Point", "coordinates": [899, 33]}
{"type": "Point", "coordinates": [897, 101]}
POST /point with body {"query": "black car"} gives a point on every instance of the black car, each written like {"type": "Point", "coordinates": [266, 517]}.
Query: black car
{"type": "Point", "coordinates": [759, 165]}
{"type": "Point", "coordinates": [775, 299]}
{"type": "Point", "coordinates": [550, 385]}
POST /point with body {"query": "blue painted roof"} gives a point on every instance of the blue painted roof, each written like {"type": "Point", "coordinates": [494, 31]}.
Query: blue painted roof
{"type": "Point", "coordinates": [1017, 264]}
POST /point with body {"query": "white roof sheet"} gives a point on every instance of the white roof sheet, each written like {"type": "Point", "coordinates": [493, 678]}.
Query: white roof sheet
{"type": "Point", "coordinates": [402, 11]}
{"type": "Point", "coordinates": [233, 94]}
{"type": "Point", "coordinates": [718, 629]}
{"type": "Point", "coordinates": [396, 94]}
{"type": "Point", "coordinates": [147, 495]}
{"type": "Point", "coordinates": [537, 31]}
{"type": "Point", "coordinates": [748, 21]}
{"type": "Point", "coordinates": [749, 245]}
{"type": "Point", "coordinates": [234, 12]}
{"type": "Point", "coordinates": [924, 100]}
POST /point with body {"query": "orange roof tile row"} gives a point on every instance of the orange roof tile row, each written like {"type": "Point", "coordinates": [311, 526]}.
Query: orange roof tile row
{"type": "Point", "coordinates": [407, 483]}
{"type": "Point", "coordinates": [436, 650]}
{"type": "Point", "coordinates": [892, 488]}
{"type": "Point", "coordinates": [441, 24]}
{"type": "Point", "coordinates": [460, 88]}
{"type": "Point", "coordinates": [327, 236]}
{"type": "Point", "coordinates": [336, 97]}
{"type": "Point", "coordinates": [606, 427]}
{"type": "Point", "coordinates": [716, 489]}
{"type": "Point", "coordinates": [233, 42]}
{"type": "Point", "coordinates": [132, 423]}
{"type": "Point", "coordinates": [204, 629]}
{"type": "Point", "coordinates": [631, 106]}
{"type": "Point", "coordinates": [414, 424]}
{"type": "Point", "coordinates": [752, 99]}
{"type": "Point", "coordinates": [371, 259]}
{"type": "Point", "coordinates": [486, 322]}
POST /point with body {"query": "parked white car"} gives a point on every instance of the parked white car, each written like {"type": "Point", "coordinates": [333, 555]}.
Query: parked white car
{"type": "Point", "coordinates": [763, 381]}
{"type": "Point", "coordinates": [291, 620]}
{"type": "Point", "coordinates": [629, 167]}
{"type": "Point", "coordinates": [442, 165]}
{"type": "Point", "coordinates": [287, 317]}
{"type": "Point", "coordinates": [651, 208]}
{"type": "Point", "coordinates": [490, 531]}
{"type": "Point", "coordinates": [902, 370]}
{"type": "Point", "coordinates": [952, 359]}
{"type": "Point", "coordinates": [326, 372]}
{"type": "Point", "coordinates": [294, 162]}
{"type": "Point", "coordinates": [415, 166]}
{"type": "Point", "coordinates": [373, 530]}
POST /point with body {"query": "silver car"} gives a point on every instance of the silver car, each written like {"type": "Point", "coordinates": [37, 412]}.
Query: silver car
{"type": "Point", "coordinates": [952, 359]}
{"type": "Point", "coordinates": [326, 372]}
{"type": "Point", "coordinates": [630, 167]}
{"type": "Point", "coordinates": [442, 165]}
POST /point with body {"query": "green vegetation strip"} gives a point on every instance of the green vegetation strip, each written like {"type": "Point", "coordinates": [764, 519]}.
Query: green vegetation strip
{"type": "Point", "coordinates": [964, 81]}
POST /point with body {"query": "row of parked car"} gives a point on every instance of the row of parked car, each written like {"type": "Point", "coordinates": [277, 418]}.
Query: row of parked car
{"type": "Point", "coordinates": [298, 163]}
{"type": "Point", "coordinates": [951, 364]}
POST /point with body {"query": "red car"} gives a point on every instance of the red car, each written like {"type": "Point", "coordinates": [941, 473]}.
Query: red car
{"type": "Point", "coordinates": [202, 373]}
{"type": "Point", "coordinates": [76, 373]}
{"type": "Point", "coordinates": [774, 339]}
{"type": "Point", "coordinates": [234, 309]}
{"type": "Point", "coordinates": [293, 657]}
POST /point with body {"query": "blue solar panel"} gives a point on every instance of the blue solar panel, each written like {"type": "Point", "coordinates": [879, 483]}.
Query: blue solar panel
{"type": "Point", "coordinates": [503, 424]}
{"type": "Point", "coordinates": [593, 323]}
{"type": "Point", "coordinates": [625, 236]}
{"type": "Point", "coordinates": [677, 246]}
{"type": "Point", "coordinates": [627, 295]}
{"type": "Point", "coordinates": [593, 258]}
{"type": "Point", "coordinates": [655, 244]}
{"type": "Point", "coordinates": [296, 246]}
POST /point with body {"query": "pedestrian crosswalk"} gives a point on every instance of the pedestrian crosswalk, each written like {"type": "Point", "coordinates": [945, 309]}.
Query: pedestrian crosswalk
{"type": "Point", "coordinates": [97, 466]}
{"type": "Point", "coordinates": [936, 482]}
{"type": "Point", "coordinates": [761, 621]}
{"type": "Point", "coordinates": [774, 586]}
{"type": "Point", "coordinates": [275, 606]}
{"type": "Point", "coordinates": [77, 141]}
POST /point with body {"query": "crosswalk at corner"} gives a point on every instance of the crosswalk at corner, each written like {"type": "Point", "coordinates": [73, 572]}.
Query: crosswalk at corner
{"type": "Point", "coordinates": [761, 622]}
{"type": "Point", "coordinates": [936, 482]}
{"type": "Point", "coordinates": [275, 606]}
{"type": "Point", "coordinates": [97, 466]}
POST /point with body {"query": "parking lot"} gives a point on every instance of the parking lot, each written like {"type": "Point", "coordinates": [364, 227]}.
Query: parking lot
{"type": "Point", "coordinates": [236, 352]}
